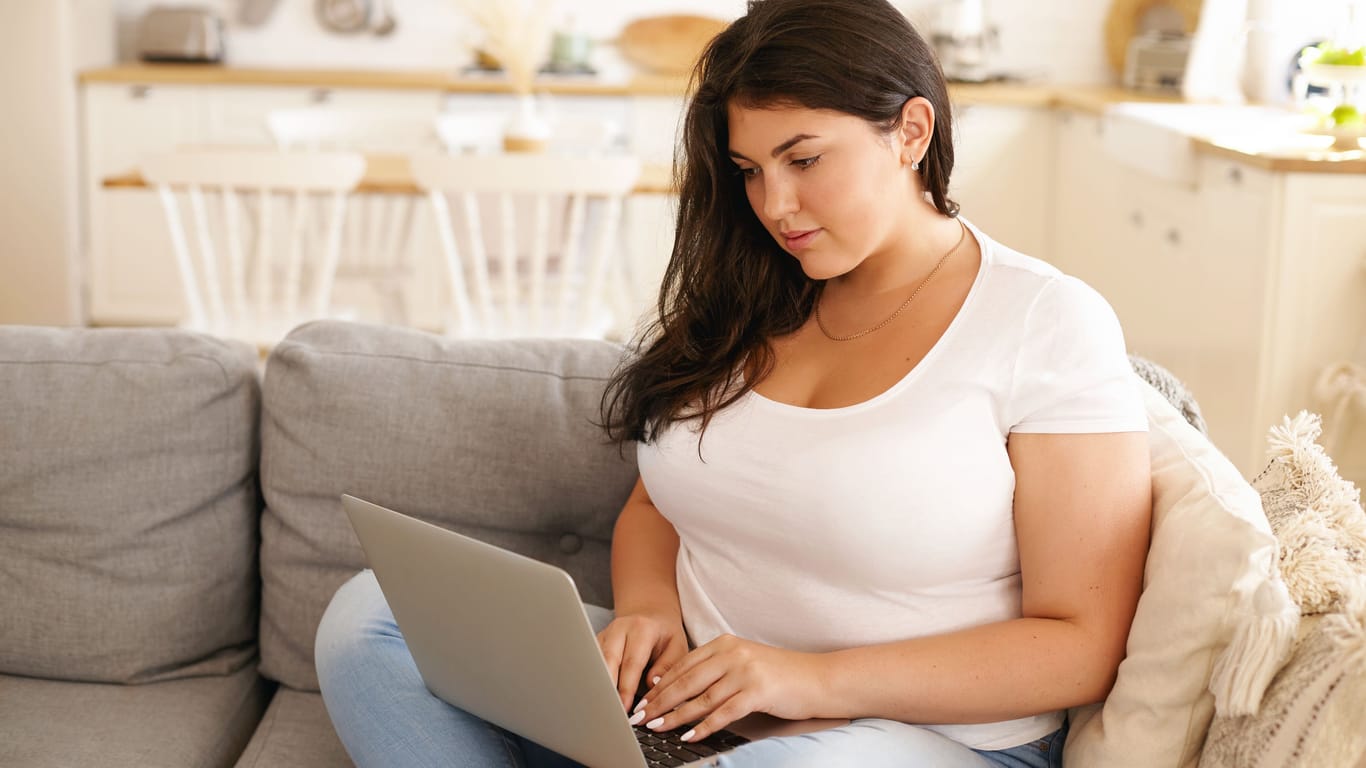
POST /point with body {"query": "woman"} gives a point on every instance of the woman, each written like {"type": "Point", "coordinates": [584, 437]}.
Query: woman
{"type": "Point", "coordinates": [890, 470]}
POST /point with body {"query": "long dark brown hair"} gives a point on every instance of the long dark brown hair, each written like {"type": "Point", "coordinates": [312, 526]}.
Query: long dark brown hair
{"type": "Point", "coordinates": [729, 288]}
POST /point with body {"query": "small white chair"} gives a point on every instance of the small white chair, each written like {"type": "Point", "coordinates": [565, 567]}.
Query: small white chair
{"type": "Point", "coordinates": [542, 283]}
{"type": "Point", "coordinates": [377, 245]}
{"type": "Point", "coordinates": [263, 201]}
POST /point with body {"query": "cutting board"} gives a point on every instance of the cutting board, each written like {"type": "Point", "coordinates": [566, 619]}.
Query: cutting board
{"type": "Point", "coordinates": [668, 45]}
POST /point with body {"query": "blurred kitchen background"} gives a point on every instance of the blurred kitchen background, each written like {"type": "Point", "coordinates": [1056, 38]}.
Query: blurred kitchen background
{"type": "Point", "coordinates": [1173, 153]}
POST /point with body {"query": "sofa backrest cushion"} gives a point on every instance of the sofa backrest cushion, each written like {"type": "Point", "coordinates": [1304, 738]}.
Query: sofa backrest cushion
{"type": "Point", "coordinates": [128, 504]}
{"type": "Point", "coordinates": [494, 439]}
{"type": "Point", "coordinates": [1210, 556]}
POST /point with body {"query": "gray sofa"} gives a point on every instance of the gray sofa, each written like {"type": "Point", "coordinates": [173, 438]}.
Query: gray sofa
{"type": "Point", "coordinates": [170, 530]}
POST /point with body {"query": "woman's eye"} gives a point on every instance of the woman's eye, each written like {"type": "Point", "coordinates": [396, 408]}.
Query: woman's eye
{"type": "Point", "coordinates": [748, 173]}
{"type": "Point", "coordinates": [807, 162]}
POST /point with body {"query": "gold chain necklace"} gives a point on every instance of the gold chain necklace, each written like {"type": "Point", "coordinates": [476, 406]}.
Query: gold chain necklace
{"type": "Point", "coordinates": [904, 304]}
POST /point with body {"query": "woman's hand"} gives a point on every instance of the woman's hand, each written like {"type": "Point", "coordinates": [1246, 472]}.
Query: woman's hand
{"type": "Point", "coordinates": [729, 678]}
{"type": "Point", "coordinates": [631, 642]}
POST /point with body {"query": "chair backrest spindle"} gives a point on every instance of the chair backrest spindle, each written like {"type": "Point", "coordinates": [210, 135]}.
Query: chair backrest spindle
{"type": "Point", "coordinates": [214, 273]}
{"type": "Point", "coordinates": [545, 286]}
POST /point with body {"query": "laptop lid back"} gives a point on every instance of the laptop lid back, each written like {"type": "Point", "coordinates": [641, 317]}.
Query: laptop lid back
{"type": "Point", "coordinates": [499, 635]}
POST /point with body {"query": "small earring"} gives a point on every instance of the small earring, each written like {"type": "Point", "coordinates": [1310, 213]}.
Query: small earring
{"type": "Point", "coordinates": [915, 165]}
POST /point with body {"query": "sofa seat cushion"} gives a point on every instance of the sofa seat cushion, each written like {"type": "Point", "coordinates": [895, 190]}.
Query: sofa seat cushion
{"type": "Point", "coordinates": [128, 504]}
{"type": "Point", "coordinates": [198, 722]}
{"type": "Point", "coordinates": [295, 733]}
{"type": "Point", "coordinates": [494, 439]}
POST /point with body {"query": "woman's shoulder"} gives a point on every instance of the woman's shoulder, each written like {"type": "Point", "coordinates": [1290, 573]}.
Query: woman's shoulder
{"type": "Point", "coordinates": [1030, 280]}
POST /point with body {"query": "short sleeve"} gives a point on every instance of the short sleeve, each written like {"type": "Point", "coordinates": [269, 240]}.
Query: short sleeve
{"type": "Point", "coordinates": [1072, 374]}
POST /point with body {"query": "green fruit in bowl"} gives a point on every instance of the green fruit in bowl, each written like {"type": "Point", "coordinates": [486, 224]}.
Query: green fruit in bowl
{"type": "Point", "coordinates": [1348, 116]}
{"type": "Point", "coordinates": [1333, 56]}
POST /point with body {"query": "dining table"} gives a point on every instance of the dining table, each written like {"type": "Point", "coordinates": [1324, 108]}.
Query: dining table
{"type": "Point", "coordinates": [391, 173]}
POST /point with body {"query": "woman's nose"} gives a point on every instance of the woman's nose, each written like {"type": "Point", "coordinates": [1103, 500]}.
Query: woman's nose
{"type": "Point", "coordinates": [780, 197]}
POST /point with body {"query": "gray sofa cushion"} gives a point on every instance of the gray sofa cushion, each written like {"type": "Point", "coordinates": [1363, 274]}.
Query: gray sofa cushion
{"type": "Point", "coordinates": [128, 504]}
{"type": "Point", "coordinates": [295, 733]}
{"type": "Point", "coordinates": [200, 722]}
{"type": "Point", "coordinates": [492, 439]}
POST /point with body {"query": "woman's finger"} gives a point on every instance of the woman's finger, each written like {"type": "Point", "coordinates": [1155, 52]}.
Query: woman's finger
{"type": "Point", "coordinates": [698, 708]}
{"type": "Point", "coordinates": [690, 679]}
{"type": "Point", "coordinates": [612, 641]}
{"type": "Point", "coordinates": [634, 658]}
{"type": "Point", "coordinates": [731, 709]}
{"type": "Point", "coordinates": [675, 647]}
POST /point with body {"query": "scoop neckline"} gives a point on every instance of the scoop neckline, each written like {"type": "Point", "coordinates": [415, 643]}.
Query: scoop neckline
{"type": "Point", "coordinates": [919, 367]}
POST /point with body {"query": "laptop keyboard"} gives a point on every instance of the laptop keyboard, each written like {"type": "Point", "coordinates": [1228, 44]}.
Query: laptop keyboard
{"type": "Point", "coordinates": [666, 750]}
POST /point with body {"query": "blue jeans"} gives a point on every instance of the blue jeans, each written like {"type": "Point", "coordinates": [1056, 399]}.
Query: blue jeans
{"type": "Point", "coordinates": [385, 715]}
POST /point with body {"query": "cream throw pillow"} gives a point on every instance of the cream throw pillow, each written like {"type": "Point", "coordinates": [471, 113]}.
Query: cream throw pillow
{"type": "Point", "coordinates": [1314, 713]}
{"type": "Point", "coordinates": [1211, 551]}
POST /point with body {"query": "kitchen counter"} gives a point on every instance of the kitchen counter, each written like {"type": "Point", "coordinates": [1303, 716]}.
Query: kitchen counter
{"type": "Point", "coordinates": [1285, 151]}
{"type": "Point", "coordinates": [208, 74]}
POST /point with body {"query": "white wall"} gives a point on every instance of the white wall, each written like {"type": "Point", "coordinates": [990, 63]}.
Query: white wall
{"type": "Point", "coordinates": [41, 49]}
{"type": "Point", "coordinates": [1056, 40]}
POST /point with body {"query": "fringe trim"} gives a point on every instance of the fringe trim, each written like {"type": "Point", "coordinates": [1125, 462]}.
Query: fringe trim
{"type": "Point", "coordinates": [1261, 645]}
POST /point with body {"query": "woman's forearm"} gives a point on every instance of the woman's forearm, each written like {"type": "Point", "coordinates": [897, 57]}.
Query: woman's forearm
{"type": "Point", "coordinates": [984, 674]}
{"type": "Point", "coordinates": [644, 550]}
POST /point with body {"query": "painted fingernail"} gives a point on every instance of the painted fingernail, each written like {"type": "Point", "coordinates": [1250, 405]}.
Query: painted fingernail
{"type": "Point", "coordinates": [655, 680]}
{"type": "Point", "coordinates": [655, 723]}
{"type": "Point", "coordinates": [639, 706]}
{"type": "Point", "coordinates": [688, 736]}
{"type": "Point", "coordinates": [636, 718]}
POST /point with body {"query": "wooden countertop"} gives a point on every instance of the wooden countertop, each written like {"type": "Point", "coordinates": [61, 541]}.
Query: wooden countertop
{"type": "Point", "coordinates": [209, 74]}
{"type": "Point", "coordinates": [392, 174]}
{"type": "Point", "coordinates": [1295, 157]}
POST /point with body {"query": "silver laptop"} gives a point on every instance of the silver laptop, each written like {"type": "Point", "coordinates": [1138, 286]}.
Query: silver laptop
{"type": "Point", "coordinates": [506, 638]}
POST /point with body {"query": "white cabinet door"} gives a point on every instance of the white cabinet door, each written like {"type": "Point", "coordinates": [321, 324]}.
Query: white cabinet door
{"type": "Point", "coordinates": [1085, 212]}
{"type": "Point", "coordinates": [1217, 293]}
{"type": "Point", "coordinates": [1003, 173]}
{"type": "Point", "coordinates": [1318, 296]}
{"type": "Point", "coordinates": [132, 278]}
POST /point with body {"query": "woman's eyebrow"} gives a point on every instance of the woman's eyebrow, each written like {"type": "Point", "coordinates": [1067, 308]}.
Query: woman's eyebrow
{"type": "Point", "coordinates": [781, 148]}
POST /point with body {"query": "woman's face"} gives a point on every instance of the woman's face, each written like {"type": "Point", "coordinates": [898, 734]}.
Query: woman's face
{"type": "Point", "coordinates": [826, 185]}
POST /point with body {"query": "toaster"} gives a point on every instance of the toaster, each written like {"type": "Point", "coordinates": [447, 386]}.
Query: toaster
{"type": "Point", "coordinates": [180, 33]}
{"type": "Point", "coordinates": [1156, 61]}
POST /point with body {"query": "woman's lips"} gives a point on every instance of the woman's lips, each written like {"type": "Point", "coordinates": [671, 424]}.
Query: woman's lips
{"type": "Point", "coordinates": [798, 240]}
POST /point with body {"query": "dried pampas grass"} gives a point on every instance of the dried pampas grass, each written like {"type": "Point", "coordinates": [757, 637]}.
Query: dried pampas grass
{"type": "Point", "coordinates": [516, 32]}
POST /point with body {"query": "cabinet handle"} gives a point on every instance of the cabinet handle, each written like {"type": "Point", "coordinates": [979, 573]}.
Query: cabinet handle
{"type": "Point", "coordinates": [1136, 218]}
{"type": "Point", "coordinates": [1174, 236]}
{"type": "Point", "coordinates": [139, 92]}
{"type": "Point", "coordinates": [1235, 175]}
{"type": "Point", "coordinates": [320, 95]}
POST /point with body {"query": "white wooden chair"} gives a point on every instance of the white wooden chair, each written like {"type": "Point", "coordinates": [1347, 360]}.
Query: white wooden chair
{"type": "Point", "coordinates": [553, 268]}
{"type": "Point", "coordinates": [247, 268]}
{"type": "Point", "coordinates": [377, 244]}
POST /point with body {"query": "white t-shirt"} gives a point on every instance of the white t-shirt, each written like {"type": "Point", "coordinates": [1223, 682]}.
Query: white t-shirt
{"type": "Point", "coordinates": [822, 529]}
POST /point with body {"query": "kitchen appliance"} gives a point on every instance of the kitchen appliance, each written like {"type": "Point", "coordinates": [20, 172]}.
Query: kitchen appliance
{"type": "Point", "coordinates": [1156, 61]}
{"type": "Point", "coordinates": [963, 41]}
{"type": "Point", "coordinates": [350, 17]}
{"type": "Point", "coordinates": [181, 33]}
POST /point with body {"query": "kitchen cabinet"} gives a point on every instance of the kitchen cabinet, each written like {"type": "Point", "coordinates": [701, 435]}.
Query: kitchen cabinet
{"type": "Point", "coordinates": [132, 277]}
{"type": "Point", "coordinates": [1004, 161]}
{"type": "Point", "coordinates": [1244, 282]}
